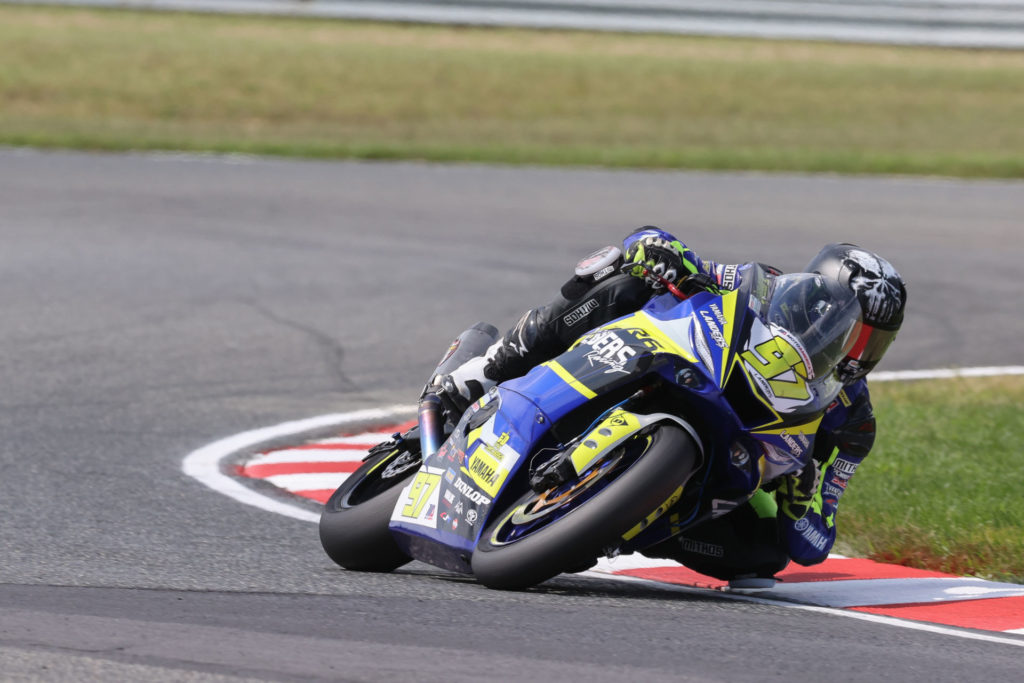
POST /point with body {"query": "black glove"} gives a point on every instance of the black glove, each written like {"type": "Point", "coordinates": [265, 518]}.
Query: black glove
{"type": "Point", "coordinates": [697, 283]}
{"type": "Point", "coordinates": [796, 491]}
{"type": "Point", "coordinates": [658, 256]}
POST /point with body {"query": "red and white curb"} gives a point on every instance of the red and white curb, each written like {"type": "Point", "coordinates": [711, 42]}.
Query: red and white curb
{"type": "Point", "coordinates": [314, 470]}
{"type": "Point", "coordinates": [857, 588]}
{"type": "Point", "coordinates": [207, 464]}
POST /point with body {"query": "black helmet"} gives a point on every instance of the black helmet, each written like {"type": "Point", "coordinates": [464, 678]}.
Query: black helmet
{"type": "Point", "coordinates": [882, 296]}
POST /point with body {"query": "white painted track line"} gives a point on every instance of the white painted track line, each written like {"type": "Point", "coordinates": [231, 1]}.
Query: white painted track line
{"type": "Point", "coordinates": [945, 373]}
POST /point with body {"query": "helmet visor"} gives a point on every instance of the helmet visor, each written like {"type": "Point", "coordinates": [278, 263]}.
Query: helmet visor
{"type": "Point", "coordinates": [869, 345]}
{"type": "Point", "coordinates": [820, 314]}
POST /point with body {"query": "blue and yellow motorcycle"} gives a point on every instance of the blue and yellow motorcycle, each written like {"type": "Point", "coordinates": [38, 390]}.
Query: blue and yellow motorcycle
{"type": "Point", "coordinates": [653, 423]}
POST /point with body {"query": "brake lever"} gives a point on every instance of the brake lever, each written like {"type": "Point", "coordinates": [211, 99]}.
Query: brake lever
{"type": "Point", "coordinates": [627, 268]}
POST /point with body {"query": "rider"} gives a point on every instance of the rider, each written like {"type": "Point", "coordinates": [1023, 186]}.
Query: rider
{"type": "Point", "coordinates": [792, 516]}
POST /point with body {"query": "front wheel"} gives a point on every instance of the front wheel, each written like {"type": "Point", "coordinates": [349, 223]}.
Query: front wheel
{"type": "Point", "coordinates": [354, 523]}
{"type": "Point", "coordinates": [544, 534]}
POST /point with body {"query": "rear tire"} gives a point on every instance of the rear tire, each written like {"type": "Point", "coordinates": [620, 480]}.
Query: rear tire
{"type": "Point", "coordinates": [354, 523]}
{"type": "Point", "coordinates": [666, 463]}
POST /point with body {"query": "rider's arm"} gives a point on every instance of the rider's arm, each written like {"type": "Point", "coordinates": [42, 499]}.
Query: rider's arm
{"type": "Point", "coordinates": [691, 261]}
{"type": "Point", "coordinates": [594, 296]}
{"type": "Point", "coordinates": [727, 276]}
{"type": "Point", "coordinates": [844, 439]}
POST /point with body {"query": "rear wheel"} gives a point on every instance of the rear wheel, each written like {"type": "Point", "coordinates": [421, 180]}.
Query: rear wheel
{"type": "Point", "coordinates": [354, 523]}
{"type": "Point", "coordinates": [542, 535]}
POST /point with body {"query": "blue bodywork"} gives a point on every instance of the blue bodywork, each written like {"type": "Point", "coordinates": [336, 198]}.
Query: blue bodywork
{"type": "Point", "coordinates": [503, 431]}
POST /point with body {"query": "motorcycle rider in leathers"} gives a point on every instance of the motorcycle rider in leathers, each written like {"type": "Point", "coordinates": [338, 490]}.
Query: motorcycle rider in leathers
{"type": "Point", "coordinates": [790, 518]}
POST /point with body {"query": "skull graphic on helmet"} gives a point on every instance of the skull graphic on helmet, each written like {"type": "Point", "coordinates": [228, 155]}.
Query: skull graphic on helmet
{"type": "Point", "coordinates": [875, 282]}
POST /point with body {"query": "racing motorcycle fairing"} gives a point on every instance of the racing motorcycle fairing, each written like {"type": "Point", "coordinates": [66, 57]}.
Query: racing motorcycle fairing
{"type": "Point", "coordinates": [711, 363]}
{"type": "Point", "coordinates": [441, 511]}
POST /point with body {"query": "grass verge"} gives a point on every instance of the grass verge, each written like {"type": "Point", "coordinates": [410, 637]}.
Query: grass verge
{"type": "Point", "coordinates": [118, 80]}
{"type": "Point", "coordinates": [942, 487]}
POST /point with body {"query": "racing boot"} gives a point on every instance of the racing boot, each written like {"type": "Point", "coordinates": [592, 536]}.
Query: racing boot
{"type": "Point", "coordinates": [463, 385]}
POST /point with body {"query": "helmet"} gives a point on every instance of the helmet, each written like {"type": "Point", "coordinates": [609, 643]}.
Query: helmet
{"type": "Point", "coordinates": [882, 295]}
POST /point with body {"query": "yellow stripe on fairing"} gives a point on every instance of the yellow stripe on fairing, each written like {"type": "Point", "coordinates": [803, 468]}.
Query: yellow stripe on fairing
{"type": "Point", "coordinates": [566, 377]}
{"type": "Point", "coordinates": [653, 329]}
{"type": "Point", "coordinates": [729, 311]}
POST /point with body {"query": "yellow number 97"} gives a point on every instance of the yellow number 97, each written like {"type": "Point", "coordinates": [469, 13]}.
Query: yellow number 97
{"type": "Point", "coordinates": [775, 359]}
{"type": "Point", "coordinates": [422, 488]}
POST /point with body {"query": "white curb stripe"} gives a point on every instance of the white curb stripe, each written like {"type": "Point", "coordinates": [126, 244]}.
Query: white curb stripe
{"type": "Point", "coordinates": [365, 437]}
{"type": "Point", "coordinates": [306, 455]}
{"type": "Point", "coordinates": [317, 481]}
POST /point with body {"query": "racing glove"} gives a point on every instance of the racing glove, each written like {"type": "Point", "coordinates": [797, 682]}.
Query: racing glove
{"type": "Point", "coordinates": [796, 491]}
{"type": "Point", "coordinates": [657, 255]}
{"type": "Point", "coordinates": [697, 283]}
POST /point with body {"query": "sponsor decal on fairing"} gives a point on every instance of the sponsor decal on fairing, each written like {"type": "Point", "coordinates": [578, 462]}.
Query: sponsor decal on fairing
{"type": "Point", "coordinates": [609, 350]}
{"type": "Point", "coordinates": [471, 494]}
{"type": "Point", "coordinates": [713, 329]}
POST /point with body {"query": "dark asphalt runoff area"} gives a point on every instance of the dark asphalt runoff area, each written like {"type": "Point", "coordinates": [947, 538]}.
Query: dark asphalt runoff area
{"type": "Point", "coordinates": [155, 303]}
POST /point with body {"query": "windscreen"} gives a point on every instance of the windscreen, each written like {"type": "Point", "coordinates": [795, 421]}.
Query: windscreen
{"type": "Point", "coordinates": [820, 314]}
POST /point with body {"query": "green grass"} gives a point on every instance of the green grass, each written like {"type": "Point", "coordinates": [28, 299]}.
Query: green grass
{"type": "Point", "coordinates": [943, 487]}
{"type": "Point", "coordinates": [139, 80]}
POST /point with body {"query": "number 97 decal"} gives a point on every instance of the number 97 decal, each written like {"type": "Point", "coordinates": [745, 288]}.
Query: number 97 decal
{"type": "Point", "coordinates": [418, 502]}
{"type": "Point", "coordinates": [778, 367]}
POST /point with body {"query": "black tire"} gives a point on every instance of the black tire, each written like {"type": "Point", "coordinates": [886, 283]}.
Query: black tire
{"type": "Point", "coordinates": [354, 523]}
{"type": "Point", "coordinates": [666, 462]}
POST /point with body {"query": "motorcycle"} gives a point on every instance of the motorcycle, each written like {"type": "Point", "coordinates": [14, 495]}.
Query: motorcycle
{"type": "Point", "coordinates": [646, 426]}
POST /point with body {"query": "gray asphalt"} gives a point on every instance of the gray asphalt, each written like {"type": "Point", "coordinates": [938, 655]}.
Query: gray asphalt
{"type": "Point", "coordinates": [153, 304]}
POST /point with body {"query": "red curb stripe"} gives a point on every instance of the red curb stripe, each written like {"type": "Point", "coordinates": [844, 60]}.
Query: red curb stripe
{"type": "Point", "coordinates": [328, 447]}
{"type": "Point", "coordinates": [319, 495]}
{"type": "Point", "coordinates": [272, 469]}
{"type": "Point", "coordinates": [852, 568]}
{"type": "Point", "coordinates": [834, 569]}
{"type": "Point", "coordinates": [991, 614]}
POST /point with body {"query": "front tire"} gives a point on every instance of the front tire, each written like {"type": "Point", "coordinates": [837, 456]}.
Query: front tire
{"type": "Point", "coordinates": [354, 523]}
{"type": "Point", "coordinates": [650, 469]}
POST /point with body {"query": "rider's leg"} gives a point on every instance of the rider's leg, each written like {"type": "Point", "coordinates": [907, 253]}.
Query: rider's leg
{"type": "Point", "coordinates": [739, 547]}
{"type": "Point", "coordinates": [544, 332]}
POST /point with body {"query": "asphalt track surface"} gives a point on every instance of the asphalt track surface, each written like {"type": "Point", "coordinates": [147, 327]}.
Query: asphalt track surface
{"type": "Point", "coordinates": [152, 304]}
